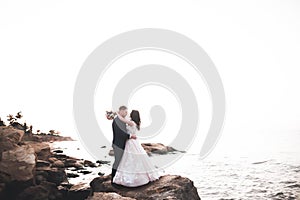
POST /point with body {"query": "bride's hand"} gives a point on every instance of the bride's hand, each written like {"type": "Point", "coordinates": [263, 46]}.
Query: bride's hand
{"type": "Point", "coordinates": [133, 136]}
{"type": "Point", "coordinates": [131, 123]}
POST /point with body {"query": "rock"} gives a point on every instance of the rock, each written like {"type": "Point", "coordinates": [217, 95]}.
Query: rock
{"type": "Point", "coordinates": [167, 187]}
{"type": "Point", "coordinates": [58, 151]}
{"type": "Point", "coordinates": [44, 191]}
{"type": "Point", "coordinates": [78, 166]}
{"type": "Point", "coordinates": [34, 193]}
{"type": "Point", "coordinates": [53, 175]}
{"type": "Point", "coordinates": [39, 179]}
{"type": "Point", "coordinates": [111, 152]}
{"type": "Point", "coordinates": [101, 174]}
{"type": "Point", "coordinates": [52, 159]}
{"type": "Point", "coordinates": [70, 162]}
{"type": "Point", "coordinates": [60, 156]}
{"type": "Point", "coordinates": [9, 138]}
{"type": "Point", "coordinates": [58, 164]}
{"type": "Point", "coordinates": [2, 122]}
{"type": "Point", "coordinates": [88, 163]}
{"type": "Point", "coordinates": [72, 175]}
{"type": "Point", "coordinates": [18, 163]}
{"type": "Point", "coordinates": [157, 148]}
{"type": "Point", "coordinates": [66, 184]}
{"type": "Point", "coordinates": [79, 191]}
{"type": "Point", "coordinates": [107, 196]}
{"type": "Point", "coordinates": [42, 163]}
{"type": "Point", "coordinates": [2, 189]}
{"type": "Point", "coordinates": [84, 172]}
{"type": "Point", "coordinates": [13, 134]}
{"type": "Point", "coordinates": [102, 162]}
{"type": "Point", "coordinates": [42, 149]}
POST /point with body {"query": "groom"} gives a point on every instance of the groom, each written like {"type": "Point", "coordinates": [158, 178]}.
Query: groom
{"type": "Point", "coordinates": [120, 136]}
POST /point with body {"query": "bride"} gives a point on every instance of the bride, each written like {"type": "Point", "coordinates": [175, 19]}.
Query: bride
{"type": "Point", "coordinates": [135, 168]}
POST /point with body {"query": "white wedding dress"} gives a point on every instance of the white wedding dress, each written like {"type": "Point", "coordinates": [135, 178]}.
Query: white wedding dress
{"type": "Point", "coordinates": [135, 168]}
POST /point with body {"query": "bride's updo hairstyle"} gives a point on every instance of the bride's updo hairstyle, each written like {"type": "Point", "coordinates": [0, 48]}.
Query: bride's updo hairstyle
{"type": "Point", "coordinates": [135, 116]}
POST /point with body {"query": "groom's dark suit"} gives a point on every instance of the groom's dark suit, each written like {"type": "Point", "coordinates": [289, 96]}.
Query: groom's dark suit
{"type": "Point", "coordinates": [120, 137]}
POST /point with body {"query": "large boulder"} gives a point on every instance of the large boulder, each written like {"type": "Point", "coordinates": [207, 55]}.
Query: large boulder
{"type": "Point", "coordinates": [42, 149]}
{"type": "Point", "coordinates": [157, 148]}
{"type": "Point", "coordinates": [167, 187]}
{"type": "Point", "coordinates": [108, 196]}
{"type": "Point", "coordinates": [9, 138]}
{"type": "Point", "coordinates": [18, 163]}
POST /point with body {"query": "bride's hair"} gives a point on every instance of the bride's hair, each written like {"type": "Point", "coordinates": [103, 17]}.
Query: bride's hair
{"type": "Point", "coordinates": [135, 116]}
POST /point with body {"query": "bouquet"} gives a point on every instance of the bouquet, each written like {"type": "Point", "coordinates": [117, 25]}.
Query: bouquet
{"type": "Point", "coordinates": [110, 115]}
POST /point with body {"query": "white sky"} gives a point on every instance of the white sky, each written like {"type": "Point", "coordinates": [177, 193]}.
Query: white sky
{"type": "Point", "coordinates": [255, 46]}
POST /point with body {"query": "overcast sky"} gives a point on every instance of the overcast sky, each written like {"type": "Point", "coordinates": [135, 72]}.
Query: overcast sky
{"type": "Point", "coordinates": [255, 46]}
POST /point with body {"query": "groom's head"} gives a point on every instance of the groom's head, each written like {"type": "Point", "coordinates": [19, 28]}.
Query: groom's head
{"type": "Point", "coordinates": [123, 111]}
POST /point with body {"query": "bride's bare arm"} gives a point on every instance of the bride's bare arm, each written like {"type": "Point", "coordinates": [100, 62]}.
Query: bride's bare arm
{"type": "Point", "coordinates": [130, 123]}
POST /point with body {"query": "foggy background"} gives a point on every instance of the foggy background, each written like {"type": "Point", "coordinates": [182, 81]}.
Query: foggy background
{"type": "Point", "coordinates": [254, 45]}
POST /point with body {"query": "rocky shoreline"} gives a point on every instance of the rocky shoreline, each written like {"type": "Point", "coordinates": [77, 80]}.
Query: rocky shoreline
{"type": "Point", "coordinates": [30, 169]}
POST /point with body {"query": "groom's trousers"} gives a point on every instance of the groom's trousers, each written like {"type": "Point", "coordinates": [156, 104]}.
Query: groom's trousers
{"type": "Point", "coordinates": [118, 153]}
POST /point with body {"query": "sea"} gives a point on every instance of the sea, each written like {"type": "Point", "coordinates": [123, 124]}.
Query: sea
{"type": "Point", "coordinates": [255, 176]}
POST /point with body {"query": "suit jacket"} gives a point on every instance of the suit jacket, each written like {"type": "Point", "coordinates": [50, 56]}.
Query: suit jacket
{"type": "Point", "coordinates": [120, 135]}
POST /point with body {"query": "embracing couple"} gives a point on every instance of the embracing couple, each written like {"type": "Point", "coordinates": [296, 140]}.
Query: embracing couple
{"type": "Point", "coordinates": [132, 166]}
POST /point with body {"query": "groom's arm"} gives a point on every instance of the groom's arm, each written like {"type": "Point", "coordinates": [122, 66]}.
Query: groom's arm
{"type": "Point", "coordinates": [130, 123]}
{"type": "Point", "coordinates": [119, 131]}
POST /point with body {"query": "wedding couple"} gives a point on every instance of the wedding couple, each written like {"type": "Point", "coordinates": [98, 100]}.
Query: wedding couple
{"type": "Point", "coordinates": [132, 166]}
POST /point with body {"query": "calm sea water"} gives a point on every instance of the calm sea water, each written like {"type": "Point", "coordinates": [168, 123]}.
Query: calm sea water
{"type": "Point", "coordinates": [257, 176]}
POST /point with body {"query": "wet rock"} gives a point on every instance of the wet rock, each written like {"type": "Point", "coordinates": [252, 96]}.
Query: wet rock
{"type": "Point", "coordinates": [58, 151]}
{"type": "Point", "coordinates": [101, 174]}
{"type": "Point", "coordinates": [88, 163]}
{"type": "Point", "coordinates": [84, 172]}
{"type": "Point", "coordinates": [60, 156]}
{"type": "Point", "coordinates": [167, 187]}
{"type": "Point", "coordinates": [102, 162]}
{"type": "Point", "coordinates": [108, 196]}
{"type": "Point", "coordinates": [70, 162]}
{"type": "Point", "coordinates": [157, 148]}
{"type": "Point", "coordinates": [72, 175]}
